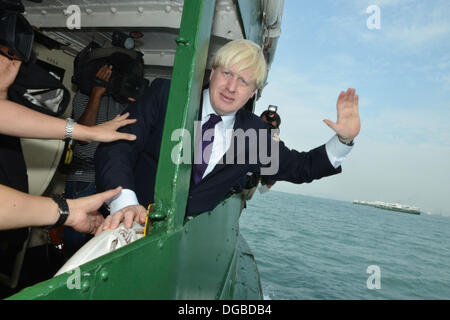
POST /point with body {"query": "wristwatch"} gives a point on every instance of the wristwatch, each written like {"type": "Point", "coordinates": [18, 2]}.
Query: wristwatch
{"type": "Point", "coordinates": [63, 208]}
{"type": "Point", "coordinates": [69, 129]}
{"type": "Point", "coordinates": [346, 143]}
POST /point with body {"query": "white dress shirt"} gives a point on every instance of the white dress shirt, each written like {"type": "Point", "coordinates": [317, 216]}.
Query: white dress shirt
{"type": "Point", "coordinates": [223, 132]}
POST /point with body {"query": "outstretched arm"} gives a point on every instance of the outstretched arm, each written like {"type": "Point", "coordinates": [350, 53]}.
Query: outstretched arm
{"type": "Point", "coordinates": [348, 123]}
{"type": "Point", "coordinates": [19, 210]}
{"type": "Point", "coordinates": [19, 121]}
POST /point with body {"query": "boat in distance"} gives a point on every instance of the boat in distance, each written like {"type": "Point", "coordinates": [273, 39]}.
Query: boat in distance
{"type": "Point", "coordinates": [389, 206]}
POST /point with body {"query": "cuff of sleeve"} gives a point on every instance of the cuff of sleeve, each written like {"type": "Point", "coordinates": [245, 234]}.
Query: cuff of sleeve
{"type": "Point", "coordinates": [124, 199]}
{"type": "Point", "coordinates": [337, 151]}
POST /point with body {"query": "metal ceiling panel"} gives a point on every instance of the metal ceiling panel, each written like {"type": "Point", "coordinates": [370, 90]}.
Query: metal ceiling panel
{"type": "Point", "coordinates": [158, 20]}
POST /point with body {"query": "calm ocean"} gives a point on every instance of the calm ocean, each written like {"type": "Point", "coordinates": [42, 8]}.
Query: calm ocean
{"type": "Point", "coordinates": [314, 248]}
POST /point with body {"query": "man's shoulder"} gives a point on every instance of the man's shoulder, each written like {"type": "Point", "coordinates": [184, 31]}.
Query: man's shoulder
{"type": "Point", "coordinates": [159, 87]}
{"type": "Point", "coordinates": [247, 119]}
{"type": "Point", "coordinates": [160, 83]}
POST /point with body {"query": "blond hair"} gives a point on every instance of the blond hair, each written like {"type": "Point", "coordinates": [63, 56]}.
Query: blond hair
{"type": "Point", "coordinates": [245, 52]}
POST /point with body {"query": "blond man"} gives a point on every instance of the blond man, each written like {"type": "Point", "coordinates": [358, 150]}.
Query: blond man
{"type": "Point", "coordinates": [239, 69]}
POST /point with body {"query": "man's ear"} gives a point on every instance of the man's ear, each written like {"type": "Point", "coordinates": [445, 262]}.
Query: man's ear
{"type": "Point", "coordinates": [211, 73]}
{"type": "Point", "coordinates": [253, 94]}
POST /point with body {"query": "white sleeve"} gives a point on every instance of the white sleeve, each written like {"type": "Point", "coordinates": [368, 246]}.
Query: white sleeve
{"type": "Point", "coordinates": [124, 199]}
{"type": "Point", "coordinates": [337, 151]}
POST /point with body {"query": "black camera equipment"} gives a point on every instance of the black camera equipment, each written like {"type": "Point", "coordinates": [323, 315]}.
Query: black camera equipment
{"type": "Point", "coordinates": [16, 32]}
{"type": "Point", "coordinates": [272, 111]}
{"type": "Point", "coordinates": [271, 116]}
{"type": "Point", "coordinates": [127, 80]}
{"type": "Point", "coordinates": [122, 40]}
{"type": "Point", "coordinates": [35, 86]}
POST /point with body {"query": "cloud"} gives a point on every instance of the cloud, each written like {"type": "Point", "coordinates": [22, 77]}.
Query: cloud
{"type": "Point", "coordinates": [418, 35]}
{"type": "Point", "coordinates": [418, 126]}
{"type": "Point", "coordinates": [382, 3]}
{"type": "Point", "coordinates": [405, 24]}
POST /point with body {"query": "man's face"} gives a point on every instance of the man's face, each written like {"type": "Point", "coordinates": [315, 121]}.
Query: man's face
{"type": "Point", "coordinates": [229, 89]}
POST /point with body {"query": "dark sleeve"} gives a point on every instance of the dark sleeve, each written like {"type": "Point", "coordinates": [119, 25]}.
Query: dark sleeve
{"type": "Point", "coordinates": [115, 162]}
{"type": "Point", "coordinates": [268, 180]}
{"type": "Point", "coordinates": [300, 167]}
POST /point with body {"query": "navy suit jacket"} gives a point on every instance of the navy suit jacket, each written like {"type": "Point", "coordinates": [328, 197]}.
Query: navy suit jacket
{"type": "Point", "coordinates": [132, 164]}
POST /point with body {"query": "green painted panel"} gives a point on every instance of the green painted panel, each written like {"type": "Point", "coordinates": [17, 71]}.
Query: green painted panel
{"type": "Point", "coordinates": [208, 253]}
{"type": "Point", "coordinates": [172, 180]}
{"type": "Point", "coordinates": [198, 261]}
{"type": "Point", "coordinates": [247, 285]}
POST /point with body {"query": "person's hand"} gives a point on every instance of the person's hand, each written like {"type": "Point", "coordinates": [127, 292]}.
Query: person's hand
{"type": "Point", "coordinates": [276, 137]}
{"type": "Point", "coordinates": [107, 131]}
{"type": "Point", "coordinates": [8, 73]}
{"type": "Point", "coordinates": [104, 73]}
{"type": "Point", "coordinates": [127, 215]}
{"type": "Point", "coordinates": [83, 216]}
{"type": "Point", "coordinates": [348, 123]}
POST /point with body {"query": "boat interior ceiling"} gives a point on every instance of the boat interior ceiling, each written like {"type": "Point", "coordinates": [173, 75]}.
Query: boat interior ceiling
{"type": "Point", "coordinates": [157, 20]}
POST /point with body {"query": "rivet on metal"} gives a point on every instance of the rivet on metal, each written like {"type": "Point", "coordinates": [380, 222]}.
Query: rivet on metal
{"type": "Point", "coordinates": [85, 285]}
{"type": "Point", "coordinates": [104, 275]}
{"type": "Point", "coordinates": [182, 41]}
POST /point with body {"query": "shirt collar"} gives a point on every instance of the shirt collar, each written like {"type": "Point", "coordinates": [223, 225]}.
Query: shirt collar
{"type": "Point", "coordinates": [207, 109]}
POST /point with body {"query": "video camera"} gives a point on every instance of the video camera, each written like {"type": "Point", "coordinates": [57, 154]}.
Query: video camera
{"type": "Point", "coordinates": [16, 33]}
{"type": "Point", "coordinates": [270, 115]}
{"type": "Point", "coordinates": [272, 111]}
{"type": "Point", "coordinates": [127, 82]}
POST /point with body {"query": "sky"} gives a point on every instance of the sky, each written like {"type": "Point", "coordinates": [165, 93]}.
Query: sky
{"type": "Point", "coordinates": [401, 72]}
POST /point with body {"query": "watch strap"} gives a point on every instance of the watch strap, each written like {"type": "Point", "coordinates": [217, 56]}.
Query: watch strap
{"type": "Point", "coordinates": [350, 144]}
{"type": "Point", "coordinates": [69, 129]}
{"type": "Point", "coordinates": [63, 208]}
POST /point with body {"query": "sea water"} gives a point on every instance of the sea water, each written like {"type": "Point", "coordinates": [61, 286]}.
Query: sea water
{"type": "Point", "coordinates": [314, 248]}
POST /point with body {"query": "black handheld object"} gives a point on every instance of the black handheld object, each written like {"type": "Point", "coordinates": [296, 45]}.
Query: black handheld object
{"type": "Point", "coordinates": [16, 34]}
{"type": "Point", "coordinates": [272, 116]}
{"type": "Point", "coordinates": [272, 111]}
{"type": "Point", "coordinates": [127, 78]}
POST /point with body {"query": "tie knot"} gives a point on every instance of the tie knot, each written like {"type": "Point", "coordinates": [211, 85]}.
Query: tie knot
{"type": "Point", "coordinates": [214, 119]}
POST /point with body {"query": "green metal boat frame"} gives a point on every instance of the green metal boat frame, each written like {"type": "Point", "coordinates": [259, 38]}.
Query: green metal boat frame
{"type": "Point", "coordinates": [204, 257]}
